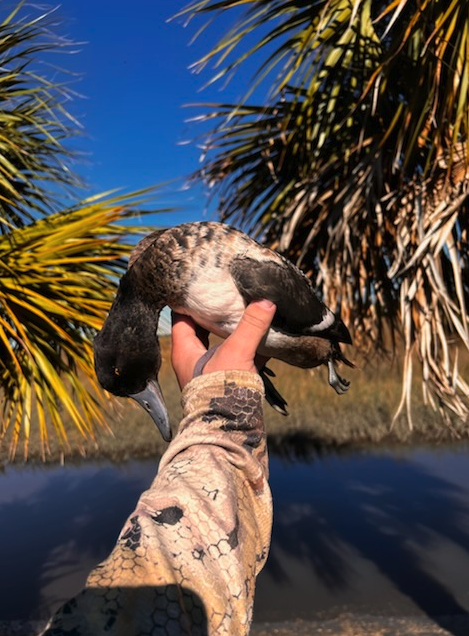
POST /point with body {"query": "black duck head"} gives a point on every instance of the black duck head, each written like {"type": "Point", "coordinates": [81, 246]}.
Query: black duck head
{"type": "Point", "coordinates": [128, 357]}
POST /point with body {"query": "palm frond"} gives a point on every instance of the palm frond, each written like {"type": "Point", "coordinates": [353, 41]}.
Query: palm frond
{"type": "Point", "coordinates": [34, 122]}
{"type": "Point", "coordinates": [58, 277]}
{"type": "Point", "coordinates": [355, 165]}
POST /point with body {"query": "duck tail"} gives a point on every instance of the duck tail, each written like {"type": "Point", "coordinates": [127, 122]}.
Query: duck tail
{"type": "Point", "coordinates": [339, 356]}
{"type": "Point", "coordinates": [338, 331]}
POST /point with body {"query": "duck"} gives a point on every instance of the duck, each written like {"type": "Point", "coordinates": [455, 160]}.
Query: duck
{"type": "Point", "coordinates": [211, 271]}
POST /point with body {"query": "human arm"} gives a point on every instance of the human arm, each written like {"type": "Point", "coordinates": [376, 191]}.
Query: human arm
{"type": "Point", "coordinates": [186, 560]}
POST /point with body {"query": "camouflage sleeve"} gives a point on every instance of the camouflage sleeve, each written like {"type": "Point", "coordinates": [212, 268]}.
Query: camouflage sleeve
{"type": "Point", "coordinates": [187, 558]}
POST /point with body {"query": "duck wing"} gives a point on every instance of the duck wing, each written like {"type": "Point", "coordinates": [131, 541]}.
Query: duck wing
{"type": "Point", "coordinates": [299, 310]}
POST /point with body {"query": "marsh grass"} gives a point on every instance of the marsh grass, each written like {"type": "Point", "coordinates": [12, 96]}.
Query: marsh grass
{"type": "Point", "coordinates": [319, 419]}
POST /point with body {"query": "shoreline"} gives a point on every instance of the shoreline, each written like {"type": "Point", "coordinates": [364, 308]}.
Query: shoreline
{"type": "Point", "coordinates": [132, 436]}
{"type": "Point", "coordinates": [301, 438]}
{"type": "Point", "coordinates": [320, 421]}
{"type": "Point", "coordinates": [292, 444]}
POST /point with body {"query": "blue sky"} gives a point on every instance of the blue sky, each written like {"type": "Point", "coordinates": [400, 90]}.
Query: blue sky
{"type": "Point", "coordinates": [134, 77]}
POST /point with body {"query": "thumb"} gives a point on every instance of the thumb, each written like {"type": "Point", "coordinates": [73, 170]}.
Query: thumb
{"type": "Point", "coordinates": [252, 327]}
{"type": "Point", "coordinates": [239, 349]}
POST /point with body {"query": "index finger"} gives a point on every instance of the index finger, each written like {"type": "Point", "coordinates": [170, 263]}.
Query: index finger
{"type": "Point", "coordinates": [188, 344]}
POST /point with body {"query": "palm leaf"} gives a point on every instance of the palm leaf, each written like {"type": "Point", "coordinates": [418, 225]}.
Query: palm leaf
{"type": "Point", "coordinates": [355, 165]}
{"type": "Point", "coordinates": [58, 277]}
{"type": "Point", "coordinates": [34, 124]}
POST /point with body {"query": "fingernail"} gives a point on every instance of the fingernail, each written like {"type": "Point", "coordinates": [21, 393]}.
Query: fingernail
{"type": "Point", "coordinates": [266, 304]}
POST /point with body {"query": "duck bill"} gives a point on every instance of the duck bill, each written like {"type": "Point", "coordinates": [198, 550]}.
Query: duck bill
{"type": "Point", "coordinates": [151, 400]}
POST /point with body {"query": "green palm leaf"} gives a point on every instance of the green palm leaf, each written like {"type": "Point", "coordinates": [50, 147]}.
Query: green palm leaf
{"type": "Point", "coordinates": [34, 124]}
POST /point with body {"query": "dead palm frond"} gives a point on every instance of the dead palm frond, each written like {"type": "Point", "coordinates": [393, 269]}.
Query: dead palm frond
{"type": "Point", "coordinates": [355, 165]}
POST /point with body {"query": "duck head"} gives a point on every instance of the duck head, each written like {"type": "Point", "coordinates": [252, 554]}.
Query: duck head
{"type": "Point", "coordinates": [128, 358]}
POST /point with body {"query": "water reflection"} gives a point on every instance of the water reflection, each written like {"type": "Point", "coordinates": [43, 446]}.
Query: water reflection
{"type": "Point", "coordinates": [375, 532]}
{"type": "Point", "coordinates": [56, 524]}
{"type": "Point", "coordinates": [303, 446]}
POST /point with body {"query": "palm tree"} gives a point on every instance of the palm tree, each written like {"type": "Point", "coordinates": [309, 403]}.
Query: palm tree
{"type": "Point", "coordinates": [354, 163]}
{"type": "Point", "coordinates": [58, 265]}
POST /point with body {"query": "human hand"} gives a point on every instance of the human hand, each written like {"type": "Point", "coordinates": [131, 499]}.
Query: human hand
{"type": "Point", "coordinates": [238, 351]}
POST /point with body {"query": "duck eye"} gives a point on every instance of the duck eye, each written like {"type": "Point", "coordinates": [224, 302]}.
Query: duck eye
{"type": "Point", "coordinates": [116, 371]}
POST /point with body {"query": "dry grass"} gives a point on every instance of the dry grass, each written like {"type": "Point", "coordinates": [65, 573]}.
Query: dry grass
{"type": "Point", "coordinates": [319, 420]}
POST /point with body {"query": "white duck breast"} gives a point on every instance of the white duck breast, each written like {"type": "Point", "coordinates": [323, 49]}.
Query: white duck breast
{"type": "Point", "coordinates": [213, 301]}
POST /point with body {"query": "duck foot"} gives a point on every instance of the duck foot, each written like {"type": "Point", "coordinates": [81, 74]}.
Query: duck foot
{"type": "Point", "coordinates": [272, 396]}
{"type": "Point", "coordinates": [340, 385]}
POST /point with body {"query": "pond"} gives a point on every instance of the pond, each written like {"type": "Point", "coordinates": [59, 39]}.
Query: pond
{"type": "Point", "coordinates": [377, 532]}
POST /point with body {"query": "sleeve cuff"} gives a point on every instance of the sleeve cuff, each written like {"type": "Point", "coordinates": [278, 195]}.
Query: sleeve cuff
{"type": "Point", "coordinates": [205, 388]}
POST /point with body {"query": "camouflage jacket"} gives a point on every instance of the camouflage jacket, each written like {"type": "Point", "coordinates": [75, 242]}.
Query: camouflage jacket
{"type": "Point", "coordinates": [187, 558]}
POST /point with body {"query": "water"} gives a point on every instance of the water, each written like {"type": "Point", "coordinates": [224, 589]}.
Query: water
{"type": "Point", "coordinates": [380, 533]}
{"type": "Point", "coordinates": [384, 532]}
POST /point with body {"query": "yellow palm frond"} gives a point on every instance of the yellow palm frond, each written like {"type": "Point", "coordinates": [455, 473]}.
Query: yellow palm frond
{"type": "Point", "coordinates": [58, 277]}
